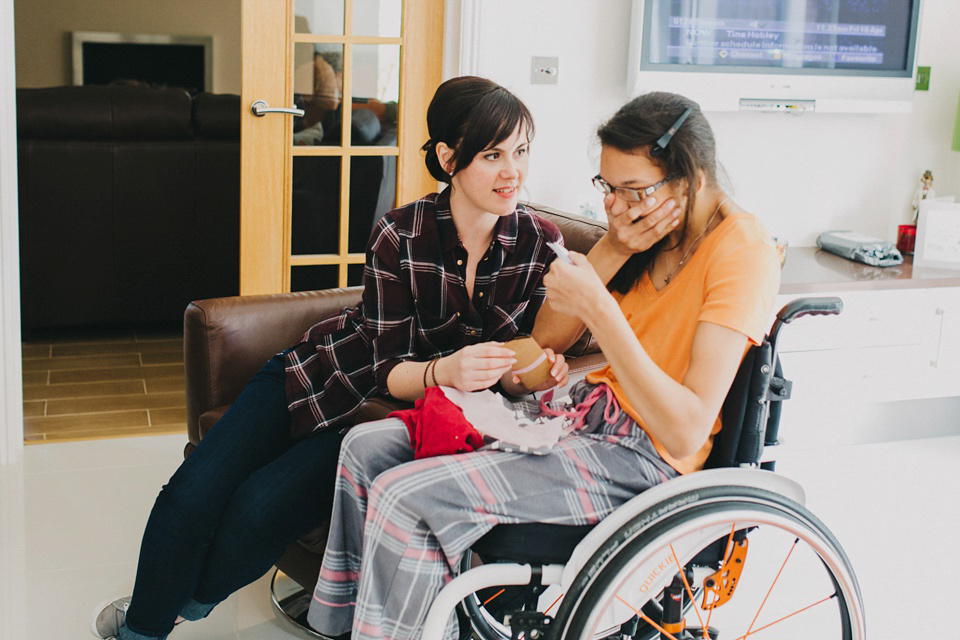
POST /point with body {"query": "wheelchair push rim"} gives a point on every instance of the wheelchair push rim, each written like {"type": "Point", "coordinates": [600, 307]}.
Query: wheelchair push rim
{"type": "Point", "coordinates": [796, 581]}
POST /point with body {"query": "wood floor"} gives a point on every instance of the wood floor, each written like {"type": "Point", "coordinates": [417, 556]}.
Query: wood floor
{"type": "Point", "coordinates": [84, 387]}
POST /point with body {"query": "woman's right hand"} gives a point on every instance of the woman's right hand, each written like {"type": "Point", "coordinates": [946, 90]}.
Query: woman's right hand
{"type": "Point", "coordinates": [475, 367]}
{"type": "Point", "coordinates": [636, 226]}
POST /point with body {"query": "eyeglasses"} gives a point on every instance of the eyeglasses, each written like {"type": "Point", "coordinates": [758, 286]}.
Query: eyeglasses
{"type": "Point", "coordinates": [628, 194]}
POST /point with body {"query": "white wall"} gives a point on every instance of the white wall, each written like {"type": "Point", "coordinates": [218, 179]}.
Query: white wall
{"type": "Point", "coordinates": [802, 175]}
{"type": "Point", "coordinates": [11, 393]}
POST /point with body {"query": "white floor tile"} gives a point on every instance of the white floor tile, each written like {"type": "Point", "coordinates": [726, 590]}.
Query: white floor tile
{"type": "Point", "coordinates": [89, 516]}
{"type": "Point", "coordinates": [110, 453]}
{"type": "Point", "coordinates": [71, 517]}
{"type": "Point", "coordinates": [894, 508]}
{"type": "Point", "coordinates": [76, 512]}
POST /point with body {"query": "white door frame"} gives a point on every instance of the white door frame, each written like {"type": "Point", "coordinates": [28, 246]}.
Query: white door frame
{"type": "Point", "coordinates": [11, 381]}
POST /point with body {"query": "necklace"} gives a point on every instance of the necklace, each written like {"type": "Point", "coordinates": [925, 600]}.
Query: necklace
{"type": "Point", "coordinates": [694, 244]}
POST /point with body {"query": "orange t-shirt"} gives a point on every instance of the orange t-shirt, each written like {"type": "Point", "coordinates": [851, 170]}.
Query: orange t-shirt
{"type": "Point", "coordinates": [731, 280]}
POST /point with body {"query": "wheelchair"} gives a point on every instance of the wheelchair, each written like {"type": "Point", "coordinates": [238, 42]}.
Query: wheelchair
{"type": "Point", "coordinates": [728, 552]}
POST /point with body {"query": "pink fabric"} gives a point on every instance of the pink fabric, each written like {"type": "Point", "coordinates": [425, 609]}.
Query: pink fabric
{"type": "Point", "coordinates": [611, 412]}
{"type": "Point", "coordinates": [437, 426]}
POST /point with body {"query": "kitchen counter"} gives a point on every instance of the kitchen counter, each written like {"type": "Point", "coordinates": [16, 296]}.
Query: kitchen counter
{"type": "Point", "coordinates": [809, 270]}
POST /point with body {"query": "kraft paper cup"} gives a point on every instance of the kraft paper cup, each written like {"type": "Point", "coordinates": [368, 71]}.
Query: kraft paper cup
{"type": "Point", "coordinates": [533, 365]}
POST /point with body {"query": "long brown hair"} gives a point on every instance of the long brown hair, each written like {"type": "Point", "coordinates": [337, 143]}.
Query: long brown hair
{"type": "Point", "coordinates": [635, 128]}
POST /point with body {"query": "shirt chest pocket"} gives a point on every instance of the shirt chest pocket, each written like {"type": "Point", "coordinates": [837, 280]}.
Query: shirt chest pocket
{"type": "Point", "coordinates": [441, 333]}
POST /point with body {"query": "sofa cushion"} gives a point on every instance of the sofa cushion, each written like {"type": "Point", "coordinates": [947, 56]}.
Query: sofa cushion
{"type": "Point", "coordinates": [364, 127]}
{"type": "Point", "coordinates": [110, 112]}
{"type": "Point", "coordinates": [216, 116]}
{"type": "Point", "coordinates": [579, 233]}
{"type": "Point", "coordinates": [209, 418]}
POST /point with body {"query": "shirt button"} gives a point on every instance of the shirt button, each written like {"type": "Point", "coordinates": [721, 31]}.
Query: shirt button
{"type": "Point", "coordinates": [480, 294]}
{"type": "Point", "coordinates": [459, 263]}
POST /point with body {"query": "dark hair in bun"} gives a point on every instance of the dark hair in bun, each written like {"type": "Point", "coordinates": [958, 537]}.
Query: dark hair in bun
{"type": "Point", "coordinates": [470, 114]}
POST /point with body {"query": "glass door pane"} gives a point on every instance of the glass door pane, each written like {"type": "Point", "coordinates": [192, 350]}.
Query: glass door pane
{"type": "Point", "coordinates": [320, 17]}
{"type": "Point", "coordinates": [315, 217]}
{"type": "Point", "coordinates": [376, 90]}
{"type": "Point", "coordinates": [318, 90]}
{"type": "Point", "coordinates": [373, 190]}
{"type": "Point", "coordinates": [377, 18]}
{"type": "Point", "coordinates": [313, 277]}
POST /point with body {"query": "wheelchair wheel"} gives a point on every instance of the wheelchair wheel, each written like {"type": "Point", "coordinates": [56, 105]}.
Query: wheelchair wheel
{"type": "Point", "coordinates": [796, 581]}
{"type": "Point", "coordinates": [482, 614]}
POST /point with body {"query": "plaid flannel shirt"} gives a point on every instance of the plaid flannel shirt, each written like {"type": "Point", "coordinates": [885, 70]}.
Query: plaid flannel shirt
{"type": "Point", "coordinates": [415, 306]}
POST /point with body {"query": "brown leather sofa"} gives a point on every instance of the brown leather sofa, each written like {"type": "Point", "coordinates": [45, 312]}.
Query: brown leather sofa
{"type": "Point", "coordinates": [226, 340]}
{"type": "Point", "coordinates": [129, 203]}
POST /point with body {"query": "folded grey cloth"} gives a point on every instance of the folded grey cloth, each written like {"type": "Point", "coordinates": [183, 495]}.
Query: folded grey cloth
{"type": "Point", "coordinates": [860, 248]}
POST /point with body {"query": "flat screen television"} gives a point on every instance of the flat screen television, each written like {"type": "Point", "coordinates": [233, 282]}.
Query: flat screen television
{"type": "Point", "coordinates": [778, 55]}
{"type": "Point", "coordinates": [166, 60]}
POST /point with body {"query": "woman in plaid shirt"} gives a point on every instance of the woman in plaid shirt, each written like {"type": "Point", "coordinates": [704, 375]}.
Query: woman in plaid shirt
{"type": "Point", "coordinates": [448, 279]}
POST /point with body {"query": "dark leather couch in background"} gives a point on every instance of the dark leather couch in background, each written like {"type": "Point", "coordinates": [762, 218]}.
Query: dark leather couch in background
{"type": "Point", "coordinates": [227, 340]}
{"type": "Point", "coordinates": [130, 200]}
{"type": "Point", "coordinates": [129, 203]}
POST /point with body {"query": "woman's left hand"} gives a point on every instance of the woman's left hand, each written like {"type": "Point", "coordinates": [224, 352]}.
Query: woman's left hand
{"type": "Point", "coordinates": [574, 289]}
{"type": "Point", "coordinates": [639, 226]}
{"type": "Point", "coordinates": [559, 372]}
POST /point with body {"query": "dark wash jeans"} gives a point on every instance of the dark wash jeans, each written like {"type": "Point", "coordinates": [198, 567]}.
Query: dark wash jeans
{"type": "Point", "coordinates": [227, 514]}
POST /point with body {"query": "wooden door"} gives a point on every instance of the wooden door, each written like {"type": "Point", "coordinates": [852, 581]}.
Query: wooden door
{"type": "Point", "coordinates": [312, 185]}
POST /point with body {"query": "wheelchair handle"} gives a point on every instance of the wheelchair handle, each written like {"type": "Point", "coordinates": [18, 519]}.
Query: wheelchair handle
{"type": "Point", "coordinates": [828, 306]}
{"type": "Point", "coordinates": [825, 306]}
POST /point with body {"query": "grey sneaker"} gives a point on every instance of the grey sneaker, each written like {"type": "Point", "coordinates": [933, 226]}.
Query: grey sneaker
{"type": "Point", "coordinates": [108, 617]}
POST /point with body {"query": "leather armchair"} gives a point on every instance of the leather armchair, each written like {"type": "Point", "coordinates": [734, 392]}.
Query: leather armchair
{"type": "Point", "coordinates": [226, 340]}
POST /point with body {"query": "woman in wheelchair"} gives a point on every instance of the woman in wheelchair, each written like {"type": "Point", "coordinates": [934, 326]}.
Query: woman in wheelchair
{"type": "Point", "coordinates": [674, 292]}
{"type": "Point", "coordinates": [448, 279]}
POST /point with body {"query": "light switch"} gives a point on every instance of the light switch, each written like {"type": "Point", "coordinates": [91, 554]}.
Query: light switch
{"type": "Point", "coordinates": [544, 69]}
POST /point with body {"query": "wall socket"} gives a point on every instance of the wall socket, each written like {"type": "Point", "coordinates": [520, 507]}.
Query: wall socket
{"type": "Point", "coordinates": [544, 69]}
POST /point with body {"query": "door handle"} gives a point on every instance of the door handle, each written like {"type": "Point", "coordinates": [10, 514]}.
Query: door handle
{"type": "Point", "coordinates": [260, 108]}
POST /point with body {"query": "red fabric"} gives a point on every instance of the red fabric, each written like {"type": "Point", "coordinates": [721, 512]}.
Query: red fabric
{"type": "Point", "coordinates": [437, 426]}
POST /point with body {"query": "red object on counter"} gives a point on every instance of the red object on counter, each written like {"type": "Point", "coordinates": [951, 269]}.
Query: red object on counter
{"type": "Point", "coordinates": [906, 238]}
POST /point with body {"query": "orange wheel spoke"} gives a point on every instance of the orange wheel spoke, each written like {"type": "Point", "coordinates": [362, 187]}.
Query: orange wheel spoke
{"type": "Point", "coordinates": [493, 597]}
{"type": "Point", "coordinates": [686, 586]}
{"type": "Point", "coordinates": [790, 615]}
{"type": "Point", "coordinates": [647, 619]}
{"type": "Point", "coordinates": [554, 604]}
{"type": "Point", "coordinates": [772, 585]}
